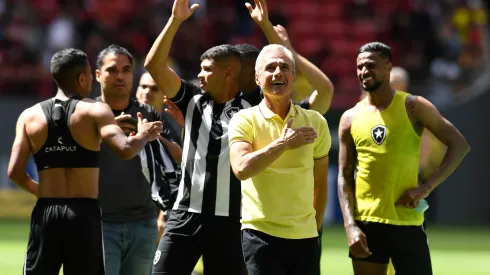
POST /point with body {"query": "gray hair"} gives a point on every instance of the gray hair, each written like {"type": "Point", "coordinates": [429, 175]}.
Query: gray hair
{"type": "Point", "coordinates": [259, 64]}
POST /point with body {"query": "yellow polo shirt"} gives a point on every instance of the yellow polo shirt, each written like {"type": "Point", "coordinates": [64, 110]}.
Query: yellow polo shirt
{"type": "Point", "coordinates": [279, 200]}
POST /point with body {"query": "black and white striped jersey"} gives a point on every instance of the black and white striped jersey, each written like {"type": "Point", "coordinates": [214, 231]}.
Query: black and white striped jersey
{"type": "Point", "coordinates": [208, 185]}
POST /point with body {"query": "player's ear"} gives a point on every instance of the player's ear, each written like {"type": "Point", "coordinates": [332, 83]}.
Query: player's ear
{"type": "Point", "coordinates": [257, 79]}
{"type": "Point", "coordinates": [389, 66]}
{"type": "Point", "coordinates": [82, 79]}
{"type": "Point", "coordinates": [97, 75]}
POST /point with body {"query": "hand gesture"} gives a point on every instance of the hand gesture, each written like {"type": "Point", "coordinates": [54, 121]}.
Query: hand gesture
{"type": "Point", "coordinates": [259, 14]}
{"type": "Point", "coordinates": [127, 127]}
{"type": "Point", "coordinates": [181, 10]}
{"type": "Point", "coordinates": [357, 242]}
{"type": "Point", "coordinates": [283, 34]}
{"type": "Point", "coordinates": [174, 111]}
{"type": "Point", "coordinates": [294, 138]}
{"type": "Point", "coordinates": [411, 197]}
{"type": "Point", "coordinates": [151, 130]}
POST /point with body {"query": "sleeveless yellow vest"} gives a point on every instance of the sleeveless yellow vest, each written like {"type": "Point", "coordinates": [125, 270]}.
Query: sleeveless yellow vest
{"type": "Point", "coordinates": [388, 153]}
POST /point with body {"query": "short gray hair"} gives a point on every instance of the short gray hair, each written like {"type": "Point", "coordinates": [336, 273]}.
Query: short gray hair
{"type": "Point", "coordinates": [259, 63]}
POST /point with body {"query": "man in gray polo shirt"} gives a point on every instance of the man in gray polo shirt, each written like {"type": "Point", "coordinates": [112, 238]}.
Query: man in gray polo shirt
{"type": "Point", "coordinates": [128, 211]}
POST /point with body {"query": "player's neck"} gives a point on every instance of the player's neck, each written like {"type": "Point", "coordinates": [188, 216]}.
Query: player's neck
{"type": "Point", "coordinates": [278, 105]}
{"type": "Point", "coordinates": [381, 98]}
{"type": "Point", "coordinates": [228, 94]}
{"type": "Point", "coordinates": [60, 94]}
{"type": "Point", "coordinates": [116, 103]}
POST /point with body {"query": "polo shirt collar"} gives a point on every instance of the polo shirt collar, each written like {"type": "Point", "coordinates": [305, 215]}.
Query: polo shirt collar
{"type": "Point", "coordinates": [268, 114]}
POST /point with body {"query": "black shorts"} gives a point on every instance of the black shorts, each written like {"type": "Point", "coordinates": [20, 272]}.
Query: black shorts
{"type": "Point", "coordinates": [265, 254]}
{"type": "Point", "coordinates": [407, 246]}
{"type": "Point", "coordinates": [188, 235]}
{"type": "Point", "coordinates": [65, 232]}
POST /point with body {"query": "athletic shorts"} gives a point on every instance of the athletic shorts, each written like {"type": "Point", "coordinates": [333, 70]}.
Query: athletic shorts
{"type": "Point", "coordinates": [407, 246]}
{"type": "Point", "coordinates": [265, 254]}
{"type": "Point", "coordinates": [188, 235]}
{"type": "Point", "coordinates": [65, 232]}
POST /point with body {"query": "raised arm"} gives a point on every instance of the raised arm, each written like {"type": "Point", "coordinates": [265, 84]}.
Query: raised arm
{"type": "Point", "coordinates": [111, 134]}
{"type": "Point", "coordinates": [21, 150]}
{"type": "Point", "coordinates": [322, 96]}
{"type": "Point", "coordinates": [157, 59]}
{"type": "Point", "coordinates": [347, 160]}
{"type": "Point", "coordinates": [457, 146]}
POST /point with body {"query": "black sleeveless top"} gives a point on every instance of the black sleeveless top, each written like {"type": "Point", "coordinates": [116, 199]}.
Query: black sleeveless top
{"type": "Point", "coordinates": [60, 149]}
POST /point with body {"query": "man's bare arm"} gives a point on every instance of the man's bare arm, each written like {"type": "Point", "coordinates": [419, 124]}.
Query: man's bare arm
{"type": "Point", "coordinates": [21, 150]}
{"type": "Point", "coordinates": [324, 89]}
{"type": "Point", "coordinates": [246, 163]}
{"type": "Point", "coordinates": [157, 59]}
{"type": "Point", "coordinates": [347, 153]}
{"type": "Point", "coordinates": [320, 193]}
{"type": "Point", "coordinates": [173, 148]}
{"type": "Point", "coordinates": [448, 134]}
{"type": "Point", "coordinates": [111, 134]}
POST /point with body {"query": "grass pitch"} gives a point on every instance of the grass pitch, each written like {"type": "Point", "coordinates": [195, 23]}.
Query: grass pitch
{"type": "Point", "coordinates": [455, 251]}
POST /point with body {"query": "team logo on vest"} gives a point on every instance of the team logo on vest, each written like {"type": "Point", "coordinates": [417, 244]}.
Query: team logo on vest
{"type": "Point", "coordinates": [378, 133]}
{"type": "Point", "coordinates": [230, 112]}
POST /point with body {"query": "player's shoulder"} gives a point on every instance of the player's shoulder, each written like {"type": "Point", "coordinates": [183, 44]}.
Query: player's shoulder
{"type": "Point", "coordinates": [350, 114]}
{"type": "Point", "coordinates": [30, 112]}
{"type": "Point", "coordinates": [348, 118]}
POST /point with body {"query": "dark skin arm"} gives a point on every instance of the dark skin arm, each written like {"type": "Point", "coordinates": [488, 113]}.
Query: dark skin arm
{"type": "Point", "coordinates": [429, 117]}
{"type": "Point", "coordinates": [347, 161]}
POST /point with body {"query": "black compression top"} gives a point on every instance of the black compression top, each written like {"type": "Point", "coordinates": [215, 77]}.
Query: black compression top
{"type": "Point", "coordinates": [60, 149]}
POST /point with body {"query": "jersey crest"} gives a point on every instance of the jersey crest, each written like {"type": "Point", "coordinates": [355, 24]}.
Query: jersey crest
{"type": "Point", "coordinates": [378, 133]}
{"type": "Point", "coordinates": [231, 111]}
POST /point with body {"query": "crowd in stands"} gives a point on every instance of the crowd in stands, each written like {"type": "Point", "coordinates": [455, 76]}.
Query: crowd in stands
{"type": "Point", "coordinates": [442, 43]}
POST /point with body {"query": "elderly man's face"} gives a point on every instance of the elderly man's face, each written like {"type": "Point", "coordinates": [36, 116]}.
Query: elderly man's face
{"type": "Point", "coordinates": [276, 77]}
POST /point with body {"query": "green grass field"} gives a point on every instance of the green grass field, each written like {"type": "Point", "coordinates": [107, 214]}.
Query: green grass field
{"type": "Point", "coordinates": [454, 251]}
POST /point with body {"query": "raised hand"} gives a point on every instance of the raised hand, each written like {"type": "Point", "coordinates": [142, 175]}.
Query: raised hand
{"type": "Point", "coordinates": [297, 137]}
{"type": "Point", "coordinates": [174, 111]}
{"type": "Point", "coordinates": [259, 14]}
{"type": "Point", "coordinates": [151, 130]}
{"type": "Point", "coordinates": [283, 34]}
{"type": "Point", "coordinates": [181, 10]}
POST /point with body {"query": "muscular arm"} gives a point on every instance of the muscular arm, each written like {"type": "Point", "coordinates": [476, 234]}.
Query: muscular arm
{"type": "Point", "coordinates": [322, 96]}
{"type": "Point", "coordinates": [320, 193]}
{"type": "Point", "coordinates": [111, 134]}
{"type": "Point", "coordinates": [347, 160]}
{"type": "Point", "coordinates": [448, 134]}
{"type": "Point", "coordinates": [21, 150]}
{"type": "Point", "coordinates": [157, 60]}
{"type": "Point", "coordinates": [247, 163]}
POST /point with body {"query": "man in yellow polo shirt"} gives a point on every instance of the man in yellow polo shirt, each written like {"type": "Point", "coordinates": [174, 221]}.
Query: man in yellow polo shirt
{"type": "Point", "coordinates": [280, 153]}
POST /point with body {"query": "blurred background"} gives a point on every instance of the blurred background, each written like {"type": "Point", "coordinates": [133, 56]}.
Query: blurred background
{"type": "Point", "coordinates": [443, 44]}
